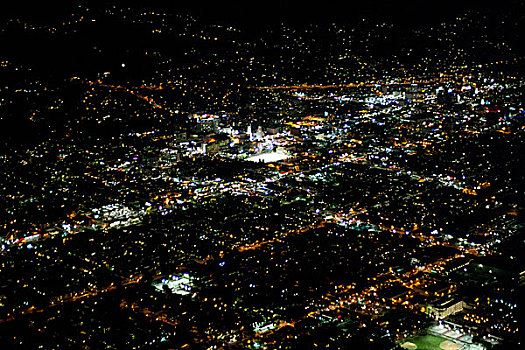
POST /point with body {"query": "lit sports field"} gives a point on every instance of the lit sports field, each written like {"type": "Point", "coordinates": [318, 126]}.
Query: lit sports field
{"type": "Point", "coordinates": [429, 342]}
{"type": "Point", "coordinates": [268, 157]}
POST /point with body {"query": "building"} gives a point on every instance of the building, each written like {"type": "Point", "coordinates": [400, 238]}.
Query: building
{"type": "Point", "coordinates": [444, 307]}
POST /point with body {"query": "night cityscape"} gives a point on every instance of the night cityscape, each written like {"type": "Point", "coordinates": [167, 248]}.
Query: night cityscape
{"type": "Point", "coordinates": [286, 176]}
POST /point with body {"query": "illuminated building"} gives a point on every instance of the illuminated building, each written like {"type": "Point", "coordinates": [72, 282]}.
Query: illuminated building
{"type": "Point", "coordinates": [445, 307]}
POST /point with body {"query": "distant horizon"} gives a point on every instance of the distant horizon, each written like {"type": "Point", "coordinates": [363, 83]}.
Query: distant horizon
{"type": "Point", "coordinates": [274, 10]}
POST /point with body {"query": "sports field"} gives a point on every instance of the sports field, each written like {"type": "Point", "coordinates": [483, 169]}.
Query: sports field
{"type": "Point", "coordinates": [429, 342]}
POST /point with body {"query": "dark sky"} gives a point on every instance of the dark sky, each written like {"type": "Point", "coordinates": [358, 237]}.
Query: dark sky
{"type": "Point", "coordinates": [326, 10]}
